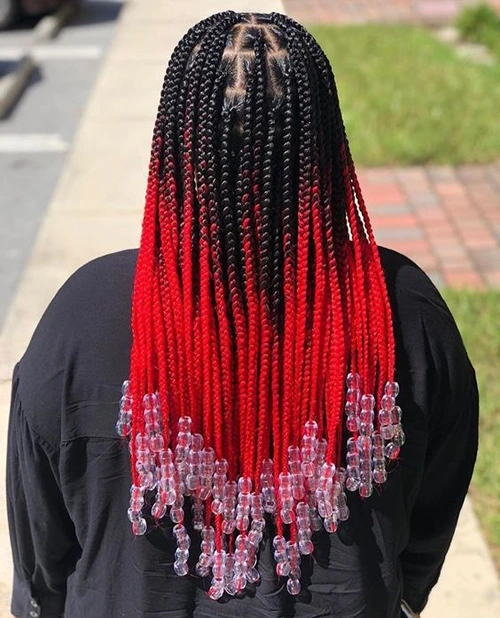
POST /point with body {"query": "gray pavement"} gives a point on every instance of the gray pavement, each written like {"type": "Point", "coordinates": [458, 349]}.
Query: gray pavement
{"type": "Point", "coordinates": [37, 135]}
{"type": "Point", "coordinates": [96, 209]}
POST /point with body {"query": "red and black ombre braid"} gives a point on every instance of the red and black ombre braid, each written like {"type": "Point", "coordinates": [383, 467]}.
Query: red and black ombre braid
{"type": "Point", "coordinates": [258, 292]}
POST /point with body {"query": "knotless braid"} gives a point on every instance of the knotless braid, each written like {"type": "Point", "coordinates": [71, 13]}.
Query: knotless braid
{"type": "Point", "coordinates": [258, 292]}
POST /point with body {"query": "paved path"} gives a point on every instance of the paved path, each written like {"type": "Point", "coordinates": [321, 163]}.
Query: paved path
{"type": "Point", "coordinates": [97, 209]}
{"type": "Point", "coordinates": [431, 12]}
{"type": "Point", "coordinates": [446, 219]}
{"type": "Point", "coordinates": [36, 137]}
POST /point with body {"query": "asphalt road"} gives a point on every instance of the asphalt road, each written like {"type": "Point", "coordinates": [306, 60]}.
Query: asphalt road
{"type": "Point", "coordinates": [36, 137]}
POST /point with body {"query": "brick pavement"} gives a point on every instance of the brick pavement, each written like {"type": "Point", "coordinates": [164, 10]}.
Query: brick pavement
{"type": "Point", "coordinates": [431, 12]}
{"type": "Point", "coordinates": [446, 219]}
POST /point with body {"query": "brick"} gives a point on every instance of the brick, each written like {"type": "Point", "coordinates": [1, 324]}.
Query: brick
{"type": "Point", "coordinates": [433, 215]}
{"type": "Point", "coordinates": [379, 175]}
{"type": "Point", "coordinates": [384, 193]}
{"type": "Point", "coordinates": [450, 189]}
{"type": "Point", "coordinates": [441, 172]}
{"type": "Point", "coordinates": [398, 233]}
{"type": "Point", "coordinates": [487, 259]}
{"type": "Point", "coordinates": [481, 242]}
{"type": "Point", "coordinates": [445, 250]}
{"type": "Point", "coordinates": [493, 278]}
{"type": "Point", "coordinates": [464, 279]}
{"type": "Point", "coordinates": [438, 11]}
{"type": "Point", "coordinates": [423, 200]}
{"type": "Point", "coordinates": [394, 220]}
{"type": "Point", "coordinates": [389, 209]}
{"type": "Point", "coordinates": [424, 260]}
{"type": "Point", "coordinates": [472, 173]}
{"type": "Point", "coordinates": [457, 263]}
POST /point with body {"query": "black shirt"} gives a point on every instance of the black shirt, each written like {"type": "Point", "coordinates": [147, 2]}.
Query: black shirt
{"type": "Point", "coordinates": [68, 475]}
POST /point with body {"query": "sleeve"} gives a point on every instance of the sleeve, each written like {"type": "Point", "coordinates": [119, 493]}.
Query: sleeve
{"type": "Point", "coordinates": [449, 462]}
{"type": "Point", "coordinates": [43, 542]}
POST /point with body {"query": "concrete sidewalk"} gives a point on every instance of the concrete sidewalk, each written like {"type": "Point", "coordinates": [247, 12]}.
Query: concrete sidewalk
{"type": "Point", "coordinates": [97, 209]}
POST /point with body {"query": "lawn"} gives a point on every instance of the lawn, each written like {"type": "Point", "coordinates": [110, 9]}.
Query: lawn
{"type": "Point", "coordinates": [407, 98]}
{"type": "Point", "coordinates": [477, 316]}
{"type": "Point", "coordinates": [480, 24]}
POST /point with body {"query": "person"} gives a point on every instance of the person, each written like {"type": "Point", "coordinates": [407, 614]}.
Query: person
{"type": "Point", "coordinates": [290, 405]}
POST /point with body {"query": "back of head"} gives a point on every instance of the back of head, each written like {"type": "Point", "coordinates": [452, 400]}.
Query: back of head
{"type": "Point", "coordinates": [258, 292]}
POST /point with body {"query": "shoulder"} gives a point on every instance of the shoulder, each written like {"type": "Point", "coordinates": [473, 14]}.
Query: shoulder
{"type": "Point", "coordinates": [428, 341]}
{"type": "Point", "coordinates": [114, 271]}
{"type": "Point", "coordinates": [80, 350]}
{"type": "Point", "coordinates": [415, 300]}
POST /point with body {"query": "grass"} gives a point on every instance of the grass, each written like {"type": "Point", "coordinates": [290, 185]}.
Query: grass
{"type": "Point", "coordinates": [480, 24]}
{"type": "Point", "coordinates": [407, 98]}
{"type": "Point", "coordinates": [477, 314]}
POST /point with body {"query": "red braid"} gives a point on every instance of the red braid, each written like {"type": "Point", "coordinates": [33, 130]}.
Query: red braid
{"type": "Point", "coordinates": [259, 295]}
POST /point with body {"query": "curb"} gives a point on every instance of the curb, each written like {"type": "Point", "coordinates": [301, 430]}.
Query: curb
{"type": "Point", "coordinates": [13, 84]}
{"type": "Point", "coordinates": [50, 25]}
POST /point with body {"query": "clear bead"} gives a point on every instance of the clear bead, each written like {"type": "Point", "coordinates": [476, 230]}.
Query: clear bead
{"type": "Point", "coordinates": [367, 416]}
{"type": "Point", "coordinates": [306, 547]}
{"type": "Point", "coordinates": [388, 403]}
{"type": "Point", "coordinates": [344, 513]}
{"type": "Point", "coordinates": [379, 476]}
{"type": "Point", "coordinates": [352, 445]}
{"type": "Point", "coordinates": [399, 436]}
{"type": "Point", "coordinates": [353, 395]}
{"type": "Point", "coordinates": [321, 448]}
{"type": "Point", "coordinates": [352, 423]}
{"type": "Point", "coordinates": [293, 586]}
{"type": "Point", "coordinates": [365, 490]}
{"type": "Point", "coordinates": [245, 485]}
{"type": "Point", "coordinates": [384, 417]}
{"type": "Point", "coordinates": [139, 528]}
{"type": "Point", "coordinates": [341, 475]}
{"type": "Point", "coordinates": [330, 524]}
{"type": "Point", "coordinates": [181, 555]}
{"type": "Point", "coordinates": [252, 575]}
{"type": "Point", "coordinates": [216, 591]}
{"type": "Point", "coordinates": [149, 401]}
{"type": "Point", "coordinates": [302, 510]}
{"type": "Point", "coordinates": [197, 442]}
{"type": "Point", "coordinates": [177, 515]}
{"type": "Point", "coordinates": [354, 381]}
{"type": "Point", "coordinates": [228, 526]}
{"type": "Point", "coordinates": [377, 439]}
{"type": "Point", "coordinates": [134, 515]}
{"type": "Point", "coordinates": [387, 431]}
{"type": "Point", "coordinates": [311, 428]}
{"type": "Point", "coordinates": [367, 402]}
{"type": "Point", "coordinates": [141, 442]}
{"type": "Point", "coordinates": [392, 450]}
{"type": "Point", "coordinates": [391, 389]}
{"type": "Point", "coordinates": [366, 429]}
{"type": "Point", "coordinates": [126, 388]}
{"type": "Point", "coordinates": [352, 483]}
{"type": "Point", "coordinates": [184, 424]}
{"type": "Point", "coordinates": [122, 429]}
{"type": "Point", "coordinates": [286, 516]}
{"type": "Point", "coordinates": [283, 569]}
{"type": "Point", "coordinates": [158, 510]}
{"type": "Point", "coordinates": [156, 443]}
{"type": "Point", "coordinates": [202, 571]}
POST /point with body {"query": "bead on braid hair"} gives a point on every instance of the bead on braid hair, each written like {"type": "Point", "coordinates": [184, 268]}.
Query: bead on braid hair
{"type": "Point", "coordinates": [259, 296]}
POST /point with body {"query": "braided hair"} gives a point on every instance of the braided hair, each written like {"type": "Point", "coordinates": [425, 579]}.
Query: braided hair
{"type": "Point", "coordinates": [258, 293]}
